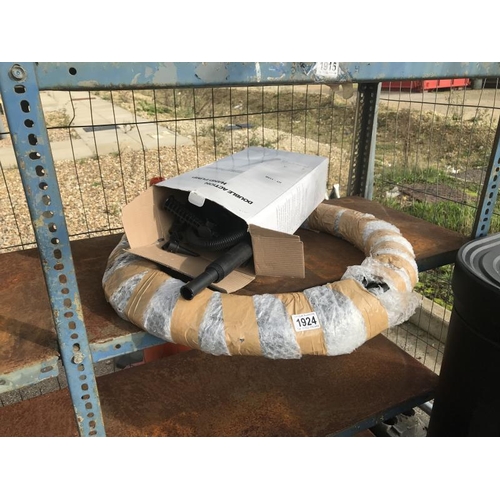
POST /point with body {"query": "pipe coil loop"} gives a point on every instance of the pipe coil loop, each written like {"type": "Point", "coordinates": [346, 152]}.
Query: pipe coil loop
{"type": "Point", "coordinates": [330, 319]}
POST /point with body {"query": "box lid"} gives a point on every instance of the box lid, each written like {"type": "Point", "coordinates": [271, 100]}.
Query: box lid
{"type": "Point", "coordinates": [257, 184]}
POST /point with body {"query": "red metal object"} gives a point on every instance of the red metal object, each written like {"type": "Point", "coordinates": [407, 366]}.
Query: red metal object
{"type": "Point", "coordinates": [423, 85]}
{"type": "Point", "coordinates": [155, 180]}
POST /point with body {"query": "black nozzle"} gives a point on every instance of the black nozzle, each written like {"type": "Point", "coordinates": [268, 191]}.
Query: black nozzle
{"type": "Point", "coordinates": [198, 284]}
{"type": "Point", "coordinates": [175, 247]}
{"type": "Point", "coordinates": [218, 269]}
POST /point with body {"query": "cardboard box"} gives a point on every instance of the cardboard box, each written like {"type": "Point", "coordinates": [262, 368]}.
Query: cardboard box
{"type": "Point", "coordinates": [272, 191]}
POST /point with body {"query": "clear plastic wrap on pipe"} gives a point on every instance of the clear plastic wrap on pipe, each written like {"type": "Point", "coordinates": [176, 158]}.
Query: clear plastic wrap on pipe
{"type": "Point", "coordinates": [331, 319]}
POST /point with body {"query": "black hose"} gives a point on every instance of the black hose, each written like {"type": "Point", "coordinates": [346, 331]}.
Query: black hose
{"type": "Point", "coordinates": [215, 244]}
{"type": "Point", "coordinates": [218, 269]}
{"type": "Point", "coordinates": [187, 216]}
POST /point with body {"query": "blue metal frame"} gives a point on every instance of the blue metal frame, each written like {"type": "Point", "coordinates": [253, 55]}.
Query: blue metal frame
{"type": "Point", "coordinates": [101, 351]}
{"type": "Point", "coordinates": [21, 99]}
{"type": "Point", "coordinates": [29, 375]}
{"type": "Point", "coordinates": [489, 193]}
{"type": "Point", "coordinates": [20, 84]}
{"type": "Point", "coordinates": [123, 345]}
{"type": "Point", "coordinates": [91, 76]}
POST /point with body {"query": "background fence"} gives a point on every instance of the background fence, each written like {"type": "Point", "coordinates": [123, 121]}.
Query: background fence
{"type": "Point", "coordinates": [432, 151]}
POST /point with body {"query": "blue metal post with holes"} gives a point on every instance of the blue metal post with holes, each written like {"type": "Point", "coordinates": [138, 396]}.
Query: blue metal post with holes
{"type": "Point", "coordinates": [23, 109]}
{"type": "Point", "coordinates": [489, 193]}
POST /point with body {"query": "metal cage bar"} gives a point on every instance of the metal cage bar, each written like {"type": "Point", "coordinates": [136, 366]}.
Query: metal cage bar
{"type": "Point", "coordinates": [92, 76]}
{"type": "Point", "coordinates": [361, 171]}
{"type": "Point", "coordinates": [21, 98]}
{"type": "Point", "coordinates": [489, 193]}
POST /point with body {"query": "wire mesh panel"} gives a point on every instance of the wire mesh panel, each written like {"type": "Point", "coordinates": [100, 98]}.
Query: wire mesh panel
{"type": "Point", "coordinates": [433, 149]}
{"type": "Point", "coordinates": [107, 145]}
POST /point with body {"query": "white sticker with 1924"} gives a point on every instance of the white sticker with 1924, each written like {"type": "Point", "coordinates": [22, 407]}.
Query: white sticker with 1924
{"type": "Point", "coordinates": [306, 321]}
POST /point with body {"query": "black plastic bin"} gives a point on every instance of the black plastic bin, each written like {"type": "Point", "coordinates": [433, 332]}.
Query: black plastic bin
{"type": "Point", "coordinates": [467, 401]}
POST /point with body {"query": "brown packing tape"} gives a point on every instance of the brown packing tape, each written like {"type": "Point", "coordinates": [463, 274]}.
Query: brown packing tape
{"type": "Point", "coordinates": [142, 294]}
{"type": "Point", "coordinates": [323, 218]}
{"type": "Point", "coordinates": [124, 273]}
{"type": "Point", "coordinates": [350, 222]}
{"type": "Point", "coordinates": [401, 263]}
{"type": "Point", "coordinates": [310, 341]}
{"type": "Point", "coordinates": [375, 236]}
{"type": "Point", "coordinates": [238, 312]}
{"type": "Point", "coordinates": [186, 319]}
{"type": "Point", "coordinates": [351, 226]}
{"type": "Point", "coordinates": [240, 323]}
{"type": "Point", "coordinates": [117, 252]}
{"type": "Point", "coordinates": [372, 310]}
{"type": "Point", "coordinates": [381, 246]}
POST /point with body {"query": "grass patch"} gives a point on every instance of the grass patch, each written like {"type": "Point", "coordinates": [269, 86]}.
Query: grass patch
{"type": "Point", "coordinates": [151, 108]}
{"type": "Point", "coordinates": [427, 175]}
{"type": "Point", "coordinates": [436, 286]}
{"type": "Point", "coordinates": [324, 117]}
{"type": "Point", "coordinates": [448, 214]}
{"type": "Point", "coordinates": [410, 138]}
{"type": "Point", "coordinates": [436, 283]}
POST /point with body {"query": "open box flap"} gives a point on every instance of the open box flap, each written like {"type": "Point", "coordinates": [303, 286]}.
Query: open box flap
{"type": "Point", "coordinates": [192, 267]}
{"type": "Point", "coordinates": [277, 254]}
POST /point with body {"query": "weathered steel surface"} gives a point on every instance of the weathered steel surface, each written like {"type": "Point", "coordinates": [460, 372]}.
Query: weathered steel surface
{"type": "Point", "coordinates": [120, 75]}
{"type": "Point", "coordinates": [90, 257]}
{"type": "Point", "coordinates": [23, 107]}
{"type": "Point", "coordinates": [27, 334]}
{"type": "Point", "coordinates": [196, 394]}
{"type": "Point", "coordinates": [327, 257]}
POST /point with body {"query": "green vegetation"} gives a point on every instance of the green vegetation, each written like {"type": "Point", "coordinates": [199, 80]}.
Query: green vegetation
{"type": "Point", "coordinates": [151, 108]}
{"type": "Point", "coordinates": [457, 216]}
{"type": "Point", "coordinates": [436, 285]}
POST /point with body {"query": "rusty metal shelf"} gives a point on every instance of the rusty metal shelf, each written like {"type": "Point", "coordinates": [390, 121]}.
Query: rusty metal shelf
{"type": "Point", "coordinates": [196, 394]}
{"type": "Point", "coordinates": [28, 343]}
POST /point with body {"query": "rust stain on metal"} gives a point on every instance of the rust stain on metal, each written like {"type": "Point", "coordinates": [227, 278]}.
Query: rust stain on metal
{"type": "Point", "coordinates": [246, 396]}
{"type": "Point", "coordinates": [88, 83]}
{"type": "Point", "coordinates": [27, 334]}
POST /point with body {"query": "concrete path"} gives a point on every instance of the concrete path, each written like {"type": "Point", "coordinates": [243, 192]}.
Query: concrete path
{"type": "Point", "coordinates": [85, 111]}
{"type": "Point", "coordinates": [102, 129]}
